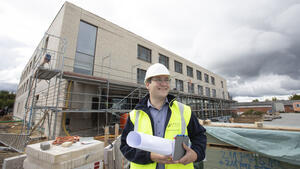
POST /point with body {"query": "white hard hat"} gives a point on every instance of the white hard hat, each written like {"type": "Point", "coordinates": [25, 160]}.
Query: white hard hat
{"type": "Point", "coordinates": [156, 69]}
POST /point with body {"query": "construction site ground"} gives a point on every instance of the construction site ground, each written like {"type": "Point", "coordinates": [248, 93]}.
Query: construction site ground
{"type": "Point", "coordinates": [9, 127]}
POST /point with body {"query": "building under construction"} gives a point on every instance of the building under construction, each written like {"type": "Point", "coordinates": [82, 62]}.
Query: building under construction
{"type": "Point", "coordinates": [87, 73]}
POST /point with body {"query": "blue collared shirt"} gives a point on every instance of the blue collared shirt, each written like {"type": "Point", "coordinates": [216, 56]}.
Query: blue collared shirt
{"type": "Point", "coordinates": [159, 120]}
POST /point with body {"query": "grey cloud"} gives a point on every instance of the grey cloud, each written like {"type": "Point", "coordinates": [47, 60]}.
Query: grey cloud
{"type": "Point", "coordinates": [9, 53]}
{"type": "Point", "coordinates": [8, 86]}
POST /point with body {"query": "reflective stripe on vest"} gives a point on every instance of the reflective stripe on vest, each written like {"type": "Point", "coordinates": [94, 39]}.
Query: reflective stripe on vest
{"type": "Point", "coordinates": [179, 110]}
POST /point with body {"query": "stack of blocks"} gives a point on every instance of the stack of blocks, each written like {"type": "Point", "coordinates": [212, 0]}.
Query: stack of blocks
{"type": "Point", "coordinates": [58, 157]}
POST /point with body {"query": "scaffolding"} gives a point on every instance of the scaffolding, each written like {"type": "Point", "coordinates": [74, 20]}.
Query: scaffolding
{"type": "Point", "coordinates": [45, 82]}
{"type": "Point", "coordinates": [61, 102]}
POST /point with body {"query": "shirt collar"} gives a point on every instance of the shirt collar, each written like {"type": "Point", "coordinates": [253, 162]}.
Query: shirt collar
{"type": "Point", "coordinates": [150, 105]}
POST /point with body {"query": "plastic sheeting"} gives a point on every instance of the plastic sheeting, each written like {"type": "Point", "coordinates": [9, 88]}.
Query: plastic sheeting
{"type": "Point", "coordinates": [281, 145]}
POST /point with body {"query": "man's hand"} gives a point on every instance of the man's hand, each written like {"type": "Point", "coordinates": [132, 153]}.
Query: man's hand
{"type": "Point", "coordinates": [189, 157]}
{"type": "Point", "coordinates": [162, 158]}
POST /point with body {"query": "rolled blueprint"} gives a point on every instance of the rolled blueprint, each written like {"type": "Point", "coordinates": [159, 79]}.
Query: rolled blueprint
{"type": "Point", "coordinates": [150, 143]}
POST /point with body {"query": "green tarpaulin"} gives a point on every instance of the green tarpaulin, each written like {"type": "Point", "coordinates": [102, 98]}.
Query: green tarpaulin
{"type": "Point", "coordinates": [281, 145]}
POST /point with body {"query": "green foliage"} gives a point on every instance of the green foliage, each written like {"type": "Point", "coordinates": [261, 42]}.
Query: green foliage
{"type": "Point", "coordinates": [274, 99]}
{"type": "Point", "coordinates": [294, 97]}
{"type": "Point", "coordinates": [253, 112]}
{"type": "Point", "coordinates": [255, 100]}
{"type": "Point", "coordinates": [7, 99]}
{"type": "Point", "coordinates": [267, 100]}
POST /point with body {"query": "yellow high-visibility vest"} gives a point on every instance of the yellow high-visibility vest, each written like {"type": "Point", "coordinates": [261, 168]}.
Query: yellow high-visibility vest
{"type": "Point", "coordinates": [179, 120]}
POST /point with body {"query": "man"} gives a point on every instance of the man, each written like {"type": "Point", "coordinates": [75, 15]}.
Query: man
{"type": "Point", "coordinates": [159, 114]}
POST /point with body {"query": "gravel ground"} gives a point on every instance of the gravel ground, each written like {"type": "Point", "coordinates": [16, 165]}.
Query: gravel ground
{"type": "Point", "coordinates": [288, 120]}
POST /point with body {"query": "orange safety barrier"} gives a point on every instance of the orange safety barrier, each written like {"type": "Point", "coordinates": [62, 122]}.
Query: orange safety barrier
{"type": "Point", "coordinates": [123, 120]}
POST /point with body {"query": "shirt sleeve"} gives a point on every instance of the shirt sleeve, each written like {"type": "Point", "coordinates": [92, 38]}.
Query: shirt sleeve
{"type": "Point", "coordinates": [132, 154]}
{"type": "Point", "coordinates": [197, 136]}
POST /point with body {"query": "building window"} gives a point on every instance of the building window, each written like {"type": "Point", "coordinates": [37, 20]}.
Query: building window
{"type": "Point", "coordinates": [223, 95]}
{"type": "Point", "coordinates": [207, 91]}
{"type": "Point", "coordinates": [178, 67]}
{"type": "Point", "coordinates": [85, 51]}
{"type": "Point", "coordinates": [214, 93]}
{"type": "Point", "coordinates": [144, 53]}
{"type": "Point", "coordinates": [212, 80]}
{"type": "Point", "coordinates": [199, 75]}
{"type": "Point", "coordinates": [206, 78]}
{"type": "Point", "coordinates": [297, 105]}
{"type": "Point", "coordinates": [164, 60]}
{"type": "Point", "coordinates": [141, 76]}
{"type": "Point", "coordinates": [179, 85]}
{"type": "Point", "coordinates": [200, 90]}
{"type": "Point", "coordinates": [222, 85]}
{"type": "Point", "coordinates": [191, 87]}
{"type": "Point", "coordinates": [189, 71]}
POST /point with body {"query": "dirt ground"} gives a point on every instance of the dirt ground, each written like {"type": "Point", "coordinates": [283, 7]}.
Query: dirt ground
{"type": "Point", "coordinates": [7, 154]}
{"type": "Point", "coordinates": [12, 127]}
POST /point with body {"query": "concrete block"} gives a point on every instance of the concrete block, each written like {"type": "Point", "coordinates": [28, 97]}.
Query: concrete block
{"type": "Point", "coordinates": [15, 162]}
{"type": "Point", "coordinates": [32, 162]}
{"type": "Point", "coordinates": [58, 154]}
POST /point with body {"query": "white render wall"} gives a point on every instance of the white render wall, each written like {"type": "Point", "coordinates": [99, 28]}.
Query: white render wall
{"type": "Point", "coordinates": [115, 57]}
{"type": "Point", "coordinates": [116, 52]}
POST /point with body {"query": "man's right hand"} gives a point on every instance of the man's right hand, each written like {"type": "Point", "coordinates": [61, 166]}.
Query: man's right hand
{"type": "Point", "coordinates": [162, 159]}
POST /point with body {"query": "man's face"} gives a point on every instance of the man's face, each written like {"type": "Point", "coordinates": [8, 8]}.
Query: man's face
{"type": "Point", "coordinates": [159, 86]}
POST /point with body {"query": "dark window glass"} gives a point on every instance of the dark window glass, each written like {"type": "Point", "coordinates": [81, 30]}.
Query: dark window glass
{"type": "Point", "coordinates": [191, 87]}
{"type": "Point", "coordinates": [189, 71]}
{"type": "Point", "coordinates": [212, 80]}
{"type": "Point", "coordinates": [200, 90]}
{"type": "Point", "coordinates": [206, 78]}
{"type": "Point", "coordinates": [141, 76]}
{"type": "Point", "coordinates": [144, 53]}
{"type": "Point", "coordinates": [214, 93]}
{"type": "Point", "coordinates": [223, 95]}
{"type": "Point", "coordinates": [164, 60]}
{"type": "Point", "coordinates": [85, 51]}
{"type": "Point", "coordinates": [222, 85]}
{"type": "Point", "coordinates": [178, 67]}
{"type": "Point", "coordinates": [179, 85]}
{"type": "Point", "coordinates": [207, 91]}
{"type": "Point", "coordinates": [199, 75]}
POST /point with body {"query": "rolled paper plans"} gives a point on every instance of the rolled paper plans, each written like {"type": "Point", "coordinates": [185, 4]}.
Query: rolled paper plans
{"type": "Point", "coordinates": [150, 143]}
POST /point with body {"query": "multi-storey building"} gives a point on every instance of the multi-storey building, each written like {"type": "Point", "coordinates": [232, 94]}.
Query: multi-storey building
{"type": "Point", "coordinates": [87, 71]}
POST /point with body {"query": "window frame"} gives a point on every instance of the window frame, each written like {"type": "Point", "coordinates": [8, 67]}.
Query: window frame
{"type": "Point", "coordinates": [138, 80]}
{"type": "Point", "coordinates": [176, 85]}
{"type": "Point", "coordinates": [79, 66]}
{"type": "Point", "coordinates": [139, 53]}
{"type": "Point", "coordinates": [208, 94]}
{"type": "Point", "coordinates": [199, 75]}
{"type": "Point", "coordinates": [201, 93]}
{"type": "Point", "coordinates": [214, 92]}
{"type": "Point", "coordinates": [212, 79]}
{"type": "Point", "coordinates": [166, 60]}
{"type": "Point", "coordinates": [191, 87]}
{"type": "Point", "coordinates": [206, 77]}
{"type": "Point", "coordinates": [176, 63]}
{"type": "Point", "coordinates": [189, 71]}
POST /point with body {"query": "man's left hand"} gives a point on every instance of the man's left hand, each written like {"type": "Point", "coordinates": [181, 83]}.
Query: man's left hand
{"type": "Point", "coordinates": [189, 157]}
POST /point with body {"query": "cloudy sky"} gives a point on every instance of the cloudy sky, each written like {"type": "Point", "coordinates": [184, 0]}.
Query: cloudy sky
{"type": "Point", "coordinates": [254, 44]}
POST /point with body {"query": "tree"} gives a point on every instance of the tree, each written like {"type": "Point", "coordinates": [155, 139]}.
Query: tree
{"type": "Point", "coordinates": [267, 100]}
{"type": "Point", "coordinates": [294, 97]}
{"type": "Point", "coordinates": [255, 100]}
{"type": "Point", "coordinates": [7, 99]}
{"type": "Point", "coordinates": [274, 99]}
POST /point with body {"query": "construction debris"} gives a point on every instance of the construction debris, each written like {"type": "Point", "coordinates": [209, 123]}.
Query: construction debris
{"type": "Point", "coordinates": [61, 140]}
